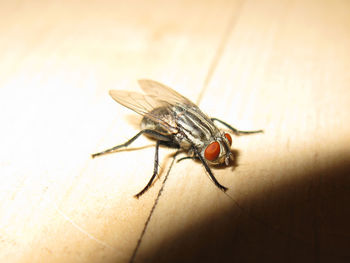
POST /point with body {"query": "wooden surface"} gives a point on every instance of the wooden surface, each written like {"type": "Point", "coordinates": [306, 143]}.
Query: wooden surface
{"type": "Point", "coordinates": [282, 66]}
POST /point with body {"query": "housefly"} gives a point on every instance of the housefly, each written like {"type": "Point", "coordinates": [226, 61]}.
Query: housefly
{"type": "Point", "coordinates": [174, 121]}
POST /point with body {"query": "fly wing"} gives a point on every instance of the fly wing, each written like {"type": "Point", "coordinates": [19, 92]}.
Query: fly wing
{"type": "Point", "coordinates": [142, 104]}
{"type": "Point", "coordinates": [162, 93]}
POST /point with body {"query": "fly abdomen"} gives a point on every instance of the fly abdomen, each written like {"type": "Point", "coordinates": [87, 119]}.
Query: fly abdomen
{"type": "Point", "coordinates": [159, 120]}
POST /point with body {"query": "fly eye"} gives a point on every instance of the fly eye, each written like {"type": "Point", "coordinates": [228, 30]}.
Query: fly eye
{"type": "Point", "coordinates": [212, 151]}
{"type": "Point", "coordinates": [228, 137]}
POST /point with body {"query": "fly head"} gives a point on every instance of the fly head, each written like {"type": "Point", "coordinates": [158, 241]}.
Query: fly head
{"type": "Point", "coordinates": [218, 151]}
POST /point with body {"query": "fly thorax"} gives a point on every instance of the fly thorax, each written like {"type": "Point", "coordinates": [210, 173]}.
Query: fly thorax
{"type": "Point", "coordinates": [194, 128]}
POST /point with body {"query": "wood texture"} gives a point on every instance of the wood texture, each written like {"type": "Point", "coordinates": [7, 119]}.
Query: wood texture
{"type": "Point", "coordinates": [282, 66]}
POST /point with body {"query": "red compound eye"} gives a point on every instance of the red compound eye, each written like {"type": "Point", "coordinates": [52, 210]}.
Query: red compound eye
{"type": "Point", "coordinates": [212, 151]}
{"type": "Point", "coordinates": [228, 137]}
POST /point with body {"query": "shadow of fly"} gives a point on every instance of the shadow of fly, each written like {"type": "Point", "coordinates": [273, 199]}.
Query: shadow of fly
{"type": "Point", "coordinates": [174, 121]}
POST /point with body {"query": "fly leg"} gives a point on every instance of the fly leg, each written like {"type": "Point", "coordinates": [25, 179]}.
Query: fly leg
{"type": "Point", "coordinates": [152, 133]}
{"type": "Point", "coordinates": [206, 166]}
{"type": "Point", "coordinates": [187, 157]}
{"type": "Point", "coordinates": [167, 143]}
{"type": "Point", "coordinates": [234, 130]}
{"type": "Point", "coordinates": [161, 139]}
{"type": "Point", "coordinates": [155, 172]}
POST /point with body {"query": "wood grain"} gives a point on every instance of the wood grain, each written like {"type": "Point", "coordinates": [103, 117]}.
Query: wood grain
{"type": "Point", "coordinates": [282, 66]}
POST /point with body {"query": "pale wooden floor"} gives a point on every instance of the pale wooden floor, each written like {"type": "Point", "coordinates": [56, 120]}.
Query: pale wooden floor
{"type": "Point", "coordinates": [283, 66]}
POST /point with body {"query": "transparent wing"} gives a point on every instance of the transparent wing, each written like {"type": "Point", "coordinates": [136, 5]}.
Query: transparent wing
{"type": "Point", "coordinates": [162, 93]}
{"type": "Point", "coordinates": [144, 105]}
